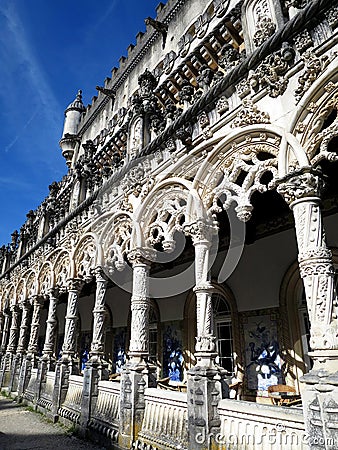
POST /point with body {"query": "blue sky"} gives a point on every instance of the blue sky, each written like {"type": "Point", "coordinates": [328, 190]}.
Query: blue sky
{"type": "Point", "coordinates": [48, 50]}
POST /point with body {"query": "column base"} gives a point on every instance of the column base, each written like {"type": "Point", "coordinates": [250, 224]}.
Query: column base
{"type": "Point", "coordinates": [206, 386]}
{"type": "Point", "coordinates": [136, 377]}
{"type": "Point", "coordinates": [320, 406]}
{"type": "Point", "coordinates": [6, 364]}
{"type": "Point", "coordinates": [60, 387]}
{"type": "Point", "coordinates": [25, 374]}
{"type": "Point", "coordinates": [15, 373]}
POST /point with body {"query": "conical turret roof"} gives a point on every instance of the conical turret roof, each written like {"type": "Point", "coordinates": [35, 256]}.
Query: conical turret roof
{"type": "Point", "coordinates": [76, 104]}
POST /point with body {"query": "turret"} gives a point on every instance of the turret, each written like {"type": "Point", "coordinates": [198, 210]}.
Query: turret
{"type": "Point", "coordinates": [69, 136]}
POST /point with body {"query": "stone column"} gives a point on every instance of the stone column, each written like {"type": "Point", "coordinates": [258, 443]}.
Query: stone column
{"type": "Point", "coordinates": [4, 339]}
{"type": "Point", "coordinates": [320, 394]}
{"type": "Point", "coordinates": [96, 368]}
{"type": "Point", "coordinates": [22, 346]}
{"type": "Point", "coordinates": [67, 364]}
{"type": "Point", "coordinates": [48, 358]}
{"type": "Point", "coordinates": [69, 343]}
{"type": "Point", "coordinates": [5, 331]}
{"type": "Point", "coordinates": [30, 360]}
{"type": "Point", "coordinates": [205, 379]}
{"type": "Point", "coordinates": [48, 355]}
{"type": "Point", "coordinates": [7, 359]}
{"type": "Point", "coordinates": [97, 345]}
{"type": "Point", "coordinates": [138, 371]}
{"type": "Point", "coordinates": [14, 330]}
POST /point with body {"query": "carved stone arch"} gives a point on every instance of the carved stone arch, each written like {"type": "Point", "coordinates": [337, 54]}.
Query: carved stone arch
{"type": "Point", "coordinates": [21, 291]}
{"type": "Point", "coordinates": [315, 123]}
{"type": "Point", "coordinates": [290, 297]}
{"type": "Point", "coordinates": [61, 269]}
{"type": "Point", "coordinates": [168, 207]}
{"type": "Point", "coordinates": [10, 296]}
{"type": "Point", "coordinates": [45, 278]}
{"type": "Point", "coordinates": [85, 256]}
{"type": "Point", "coordinates": [31, 283]}
{"type": "Point", "coordinates": [248, 160]}
{"type": "Point", "coordinates": [115, 242]}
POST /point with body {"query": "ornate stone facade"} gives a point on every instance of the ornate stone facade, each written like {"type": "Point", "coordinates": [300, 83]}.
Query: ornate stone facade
{"type": "Point", "coordinates": [161, 258]}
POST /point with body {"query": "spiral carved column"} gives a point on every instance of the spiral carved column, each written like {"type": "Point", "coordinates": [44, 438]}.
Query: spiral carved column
{"type": "Point", "coordinates": [320, 393]}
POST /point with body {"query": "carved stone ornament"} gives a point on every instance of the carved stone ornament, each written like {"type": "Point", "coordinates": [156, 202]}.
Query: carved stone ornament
{"type": "Point", "coordinates": [332, 17]}
{"type": "Point", "coordinates": [205, 77]}
{"type": "Point", "coordinates": [270, 74]}
{"type": "Point", "coordinates": [250, 115]}
{"type": "Point", "coordinates": [265, 29]}
{"type": "Point", "coordinates": [201, 25]}
{"type": "Point", "coordinates": [229, 58]}
{"type": "Point", "coordinates": [201, 230]}
{"type": "Point", "coordinates": [221, 7]}
{"type": "Point", "coordinates": [147, 84]}
{"type": "Point", "coordinates": [247, 166]}
{"type": "Point", "coordinates": [314, 66]}
{"type": "Point", "coordinates": [303, 41]}
{"type": "Point", "coordinates": [222, 105]}
{"type": "Point", "coordinates": [168, 62]}
{"type": "Point", "coordinates": [141, 256]}
{"type": "Point", "coordinates": [184, 44]}
{"type": "Point", "coordinates": [299, 4]}
{"type": "Point", "coordinates": [300, 186]}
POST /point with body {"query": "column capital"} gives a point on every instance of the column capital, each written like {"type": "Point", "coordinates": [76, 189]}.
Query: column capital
{"type": "Point", "coordinates": [299, 186]}
{"type": "Point", "coordinates": [75, 284]}
{"type": "Point", "coordinates": [100, 275]}
{"type": "Point", "coordinates": [201, 230]}
{"type": "Point", "coordinates": [14, 308]}
{"type": "Point", "coordinates": [141, 256]}
{"type": "Point", "coordinates": [37, 300]}
{"type": "Point", "coordinates": [53, 292]}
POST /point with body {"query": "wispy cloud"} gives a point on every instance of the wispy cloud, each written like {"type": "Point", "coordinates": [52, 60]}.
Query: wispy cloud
{"type": "Point", "coordinates": [20, 58]}
{"type": "Point", "coordinates": [17, 137]}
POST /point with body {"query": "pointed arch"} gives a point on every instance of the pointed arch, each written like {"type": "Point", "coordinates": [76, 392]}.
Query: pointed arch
{"type": "Point", "coordinates": [248, 160]}
{"type": "Point", "coordinates": [168, 206]}
{"type": "Point", "coordinates": [62, 268]}
{"type": "Point", "coordinates": [85, 256]}
{"type": "Point", "coordinates": [114, 241]}
{"type": "Point", "coordinates": [45, 277]}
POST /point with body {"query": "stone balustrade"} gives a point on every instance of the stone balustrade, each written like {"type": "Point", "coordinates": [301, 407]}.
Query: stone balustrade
{"type": "Point", "coordinates": [165, 420]}
{"type": "Point", "coordinates": [70, 409]}
{"type": "Point", "coordinates": [105, 414]}
{"type": "Point", "coordinates": [252, 426]}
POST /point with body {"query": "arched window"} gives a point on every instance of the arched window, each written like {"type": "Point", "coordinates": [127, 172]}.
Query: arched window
{"type": "Point", "coordinates": [226, 329]}
{"type": "Point", "coordinates": [223, 331]}
{"type": "Point", "coordinates": [296, 324]}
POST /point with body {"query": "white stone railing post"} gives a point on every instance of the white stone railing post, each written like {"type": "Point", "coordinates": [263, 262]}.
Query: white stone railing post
{"type": "Point", "coordinates": [320, 394]}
